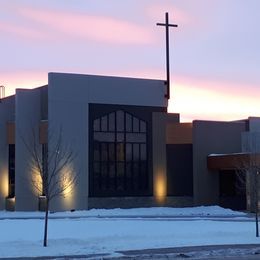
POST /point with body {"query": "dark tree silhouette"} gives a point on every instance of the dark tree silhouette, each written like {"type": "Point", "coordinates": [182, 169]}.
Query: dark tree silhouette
{"type": "Point", "coordinates": [52, 175]}
{"type": "Point", "coordinates": [248, 172]}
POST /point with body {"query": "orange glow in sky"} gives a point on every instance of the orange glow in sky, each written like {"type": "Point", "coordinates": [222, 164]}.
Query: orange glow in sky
{"type": "Point", "coordinates": [204, 100]}
{"type": "Point", "coordinates": [191, 98]}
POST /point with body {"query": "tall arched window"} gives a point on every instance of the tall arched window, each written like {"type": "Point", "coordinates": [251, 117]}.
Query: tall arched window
{"type": "Point", "coordinates": [119, 155]}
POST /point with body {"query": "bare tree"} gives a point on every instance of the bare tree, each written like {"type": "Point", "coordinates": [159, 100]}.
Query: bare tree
{"type": "Point", "coordinates": [248, 171]}
{"type": "Point", "coordinates": [52, 175]}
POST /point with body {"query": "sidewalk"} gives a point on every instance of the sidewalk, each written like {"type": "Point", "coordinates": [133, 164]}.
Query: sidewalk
{"type": "Point", "coordinates": [245, 251]}
{"type": "Point", "coordinates": [194, 252]}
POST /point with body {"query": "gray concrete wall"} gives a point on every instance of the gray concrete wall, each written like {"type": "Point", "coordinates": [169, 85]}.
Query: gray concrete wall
{"type": "Point", "coordinates": [7, 113]}
{"type": "Point", "coordinates": [211, 137]}
{"type": "Point", "coordinates": [254, 124]}
{"type": "Point", "coordinates": [69, 96]}
{"type": "Point", "coordinates": [251, 142]}
{"type": "Point", "coordinates": [159, 158]}
{"type": "Point", "coordinates": [28, 116]}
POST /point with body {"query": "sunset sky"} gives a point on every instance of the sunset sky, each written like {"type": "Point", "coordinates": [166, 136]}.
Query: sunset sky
{"type": "Point", "coordinates": [215, 51]}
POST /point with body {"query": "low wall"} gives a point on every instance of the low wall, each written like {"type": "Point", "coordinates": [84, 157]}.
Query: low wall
{"type": "Point", "coordinates": [139, 202]}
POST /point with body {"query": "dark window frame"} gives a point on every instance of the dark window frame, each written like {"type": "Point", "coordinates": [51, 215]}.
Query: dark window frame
{"type": "Point", "coordinates": [130, 177]}
{"type": "Point", "coordinates": [11, 171]}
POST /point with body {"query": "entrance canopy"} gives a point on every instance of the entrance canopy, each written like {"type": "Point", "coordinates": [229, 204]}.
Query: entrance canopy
{"type": "Point", "coordinates": [233, 161]}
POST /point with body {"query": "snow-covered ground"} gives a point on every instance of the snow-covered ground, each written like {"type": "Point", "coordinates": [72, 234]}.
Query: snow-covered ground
{"type": "Point", "coordinates": [157, 211]}
{"type": "Point", "coordinates": [88, 233]}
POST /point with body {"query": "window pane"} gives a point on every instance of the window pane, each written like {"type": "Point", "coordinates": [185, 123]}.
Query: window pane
{"type": "Point", "coordinates": [120, 176]}
{"type": "Point", "coordinates": [97, 176]}
{"type": "Point", "coordinates": [135, 124]}
{"type": "Point", "coordinates": [135, 138]}
{"type": "Point", "coordinates": [112, 170]}
{"type": "Point", "coordinates": [120, 137]}
{"type": "Point", "coordinates": [104, 155]}
{"type": "Point", "coordinates": [142, 126]}
{"type": "Point", "coordinates": [104, 137]}
{"type": "Point", "coordinates": [120, 151]}
{"type": "Point", "coordinates": [96, 125]}
{"type": "Point", "coordinates": [96, 155]}
{"type": "Point", "coordinates": [112, 176]}
{"type": "Point", "coordinates": [129, 124]}
{"type": "Point", "coordinates": [104, 123]}
{"type": "Point", "coordinates": [120, 120]}
{"type": "Point", "coordinates": [136, 152]}
{"type": "Point", "coordinates": [119, 155]}
{"type": "Point", "coordinates": [111, 152]}
{"type": "Point", "coordinates": [104, 175]}
{"type": "Point", "coordinates": [143, 152]}
{"type": "Point", "coordinates": [129, 152]}
{"type": "Point", "coordinates": [143, 174]}
{"type": "Point", "coordinates": [96, 169]}
{"type": "Point", "coordinates": [135, 176]}
{"type": "Point", "coordinates": [129, 181]}
{"type": "Point", "coordinates": [111, 124]}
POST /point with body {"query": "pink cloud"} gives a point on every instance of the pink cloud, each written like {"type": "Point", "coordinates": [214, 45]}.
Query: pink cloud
{"type": "Point", "coordinates": [98, 28]}
{"type": "Point", "coordinates": [193, 18]}
{"type": "Point", "coordinates": [20, 30]}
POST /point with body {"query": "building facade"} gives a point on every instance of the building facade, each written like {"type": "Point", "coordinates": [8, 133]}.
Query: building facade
{"type": "Point", "coordinates": [129, 151]}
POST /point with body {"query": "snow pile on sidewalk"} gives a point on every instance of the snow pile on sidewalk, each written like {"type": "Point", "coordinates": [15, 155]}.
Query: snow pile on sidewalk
{"type": "Point", "coordinates": [142, 212]}
{"type": "Point", "coordinates": [165, 211]}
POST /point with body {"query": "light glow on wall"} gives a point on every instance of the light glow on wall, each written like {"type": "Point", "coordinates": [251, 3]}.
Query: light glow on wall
{"type": "Point", "coordinates": [36, 182]}
{"type": "Point", "coordinates": [4, 186]}
{"type": "Point", "coordinates": [68, 184]}
{"type": "Point", "coordinates": [160, 191]}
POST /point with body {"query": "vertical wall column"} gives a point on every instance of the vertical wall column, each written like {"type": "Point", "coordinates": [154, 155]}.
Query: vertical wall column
{"type": "Point", "coordinates": [6, 115]}
{"type": "Point", "coordinates": [159, 157]}
{"type": "Point", "coordinates": [28, 117]}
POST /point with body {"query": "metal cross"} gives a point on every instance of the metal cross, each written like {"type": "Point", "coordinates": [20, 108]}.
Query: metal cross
{"type": "Point", "coordinates": [167, 25]}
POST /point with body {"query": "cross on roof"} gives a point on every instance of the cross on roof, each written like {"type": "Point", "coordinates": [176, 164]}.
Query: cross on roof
{"type": "Point", "coordinates": [167, 25]}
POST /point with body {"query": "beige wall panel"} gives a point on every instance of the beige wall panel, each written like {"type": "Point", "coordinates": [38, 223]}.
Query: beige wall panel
{"type": "Point", "coordinates": [43, 132]}
{"type": "Point", "coordinates": [179, 133]}
{"type": "Point", "coordinates": [10, 132]}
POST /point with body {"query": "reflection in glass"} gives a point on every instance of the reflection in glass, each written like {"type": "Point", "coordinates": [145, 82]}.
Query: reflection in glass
{"type": "Point", "coordinates": [104, 137]}
{"type": "Point", "coordinates": [129, 152]}
{"type": "Point", "coordinates": [143, 152]}
{"type": "Point", "coordinates": [129, 123]}
{"type": "Point", "coordinates": [135, 138]}
{"type": "Point", "coordinates": [135, 125]}
{"type": "Point", "coordinates": [104, 123]}
{"type": "Point", "coordinates": [96, 125]}
{"type": "Point", "coordinates": [142, 127]}
{"type": "Point", "coordinates": [120, 152]}
{"type": "Point", "coordinates": [120, 121]}
{"type": "Point", "coordinates": [111, 122]}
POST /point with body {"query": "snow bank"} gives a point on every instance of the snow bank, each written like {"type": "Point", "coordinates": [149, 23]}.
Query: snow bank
{"type": "Point", "coordinates": [141, 212]}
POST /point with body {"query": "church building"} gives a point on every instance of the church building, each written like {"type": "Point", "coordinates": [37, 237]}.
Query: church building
{"type": "Point", "coordinates": [129, 152]}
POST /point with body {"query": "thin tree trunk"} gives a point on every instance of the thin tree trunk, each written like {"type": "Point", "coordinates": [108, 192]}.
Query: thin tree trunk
{"type": "Point", "coordinates": [256, 206]}
{"type": "Point", "coordinates": [256, 223]}
{"type": "Point", "coordinates": [46, 223]}
{"type": "Point", "coordinates": [256, 203]}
